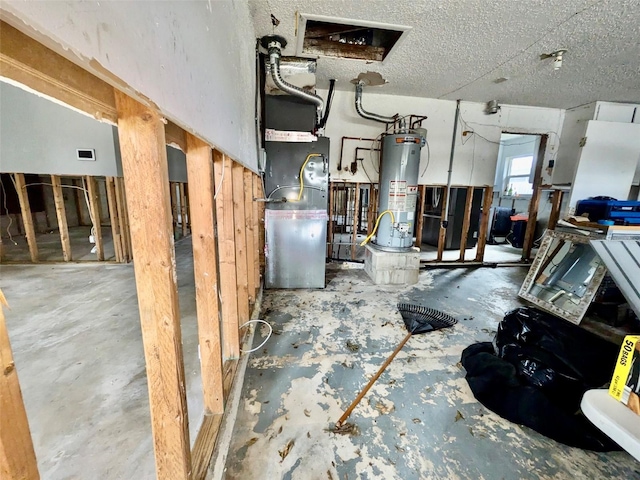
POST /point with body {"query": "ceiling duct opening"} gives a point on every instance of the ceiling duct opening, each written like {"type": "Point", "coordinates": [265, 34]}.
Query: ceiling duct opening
{"type": "Point", "coordinates": [343, 38]}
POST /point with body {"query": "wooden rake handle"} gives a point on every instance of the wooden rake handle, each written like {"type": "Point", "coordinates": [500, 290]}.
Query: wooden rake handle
{"type": "Point", "coordinates": [364, 391]}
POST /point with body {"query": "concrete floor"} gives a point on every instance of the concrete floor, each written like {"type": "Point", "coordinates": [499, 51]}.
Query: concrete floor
{"type": "Point", "coordinates": [75, 333]}
{"type": "Point", "coordinates": [420, 420]}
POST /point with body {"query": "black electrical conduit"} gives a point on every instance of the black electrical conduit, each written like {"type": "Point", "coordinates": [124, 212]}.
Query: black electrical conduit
{"type": "Point", "coordinates": [325, 117]}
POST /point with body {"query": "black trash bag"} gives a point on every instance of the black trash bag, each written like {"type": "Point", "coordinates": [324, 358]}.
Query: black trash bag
{"type": "Point", "coordinates": [496, 384]}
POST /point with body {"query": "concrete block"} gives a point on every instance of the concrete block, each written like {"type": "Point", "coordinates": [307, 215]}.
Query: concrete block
{"type": "Point", "coordinates": [392, 268]}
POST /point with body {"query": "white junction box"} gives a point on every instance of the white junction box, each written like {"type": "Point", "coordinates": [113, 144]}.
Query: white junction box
{"type": "Point", "coordinates": [392, 268]}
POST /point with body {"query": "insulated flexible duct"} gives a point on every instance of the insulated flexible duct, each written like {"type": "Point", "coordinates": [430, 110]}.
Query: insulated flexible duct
{"type": "Point", "coordinates": [364, 114]}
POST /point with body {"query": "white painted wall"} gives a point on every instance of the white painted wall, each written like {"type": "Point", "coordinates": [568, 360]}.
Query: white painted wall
{"type": "Point", "coordinates": [39, 136]}
{"type": "Point", "coordinates": [194, 59]}
{"type": "Point", "coordinates": [475, 160]}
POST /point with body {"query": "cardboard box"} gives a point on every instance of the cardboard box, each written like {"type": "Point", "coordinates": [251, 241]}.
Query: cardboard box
{"type": "Point", "coordinates": [625, 384]}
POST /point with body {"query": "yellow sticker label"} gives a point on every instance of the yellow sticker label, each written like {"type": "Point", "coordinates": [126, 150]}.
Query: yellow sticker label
{"type": "Point", "coordinates": [623, 366]}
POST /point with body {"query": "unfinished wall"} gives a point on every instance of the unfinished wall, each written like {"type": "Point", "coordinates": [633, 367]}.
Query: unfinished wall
{"type": "Point", "coordinates": [475, 155]}
{"type": "Point", "coordinates": [194, 60]}
{"type": "Point", "coordinates": [39, 136]}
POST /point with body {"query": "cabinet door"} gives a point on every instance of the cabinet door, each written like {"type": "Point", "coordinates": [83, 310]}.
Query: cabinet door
{"type": "Point", "coordinates": [607, 162]}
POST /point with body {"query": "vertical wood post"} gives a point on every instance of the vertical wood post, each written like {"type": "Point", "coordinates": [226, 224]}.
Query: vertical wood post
{"type": "Point", "coordinates": [535, 200]}
{"type": "Point", "coordinates": [227, 255]}
{"type": "Point", "coordinates": [332, 192]}
{"type": "Point", "coordinates": [174, 205]}
{"type": "Point", "coordinates": [356, 220]}
{"type": "Point", "coordinates": [487, 200]}
{"type": "Point", "coordinates": [251, 251]}
{"type": "Point", "coordinates": [94, 206]}
{"type": "Point", "coordinates": [78, 197]}
{"type": "Point", "coordinates": [420, 219]}
{"type": "Point", "coordinates": [444, 216]}
{"type": "Point", "coordinates": [17, 457]}
{"type": "Point", "coordinates": [123, 219]}
{"type": "Point", "coordinates": [183, 209]}
{"type": "Point", "coordinates": [205, 267]}
{"type": "Point", "coordinates": [61, 215]}
{"type": "Point", "coordinates": [466, 220]}
{"type": "Point", "coordinates": [27, 218]}
{"type": "Point", "coordinates": [256, 230]}
{"type": "Point", "coordinates": [261, 229]}
{"type": "Point", "coordinates": [237, 172]}
{"type": "Point", "coordinates": [144, 163]}
{"type": "Point", "coordinates": [116, 235]}
{"type": "Point", "coordinates": [556, 205]}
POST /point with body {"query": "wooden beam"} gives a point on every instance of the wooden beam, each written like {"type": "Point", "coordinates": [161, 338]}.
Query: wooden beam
{"type": "Point", "coordinates": [94, 207]}
{"type": "Point", "coordinates": [535, 200]}
{"type": "Point", "coordinates": [61, 215]}
{"type": "Point", "coordinates": [261, 229]}
{"type": "Point", "coordinates": [227, 255]}
{"type": "Point", "coordinates": [256, 231]}
{"type": "Point", "coordinates": [556, 205]}
{"type": "Point", "coordinates": [420, 219]}
{"type": "Point", "coordinates": [78, 197]}
{"type": "Point", "coordinates": [251, 250]}
{"type": "Point", "coordinates": [332, 191]}
{"type": "Point", "coordinates": [444, 216]}
{"type": "Point", "coordinates": [487, 200]}
{"type": "Point", "coordinates": [205, 267]}
{"type": "Point", "coordinates": [242, 266]}
{"type": "Point", "coordinates": [205, 443]}
{"type": "Point", "coordinates": [144, 163]}
{"type": "Point", "coordinates": [183, 209]}
{"type": "Point", "coordinates": [123, 219]}
{"type": "Point", "coordinates": [17, 456]}
{"type": "Point", "coordinates": [175, 135]}
{"type": "Point", "coordinates": [27, 218]}
{"type": "Point", "coordinates": [466, 220]}
{"type": "Point", "coordinates": [174, 205]}
{"type": "Point", "coordinates": [112, 202]}
{"type": "Point", "coordinates": [356, 220]}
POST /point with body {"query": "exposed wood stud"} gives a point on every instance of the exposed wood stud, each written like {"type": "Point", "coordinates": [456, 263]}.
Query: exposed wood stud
{"type": "Point", "coordinates": [256, 231]}
{"type": "Point", "coordinates": [356, 221]}
{"type": "Point", "coordinates": [116, 235]}
{"type": "Point", "coordinates": [261, 231]}
{"type": "Point", "coordinates": [205, 443]}
{"type": "Point", "coordinates": [466, 220]}
{"type": "Point", "coordinates": [144, 163]}
{"type": "Point", "coordinates": [205, 266]}
{"type": "Point", "coordinates": [443, 218]}
{"type": "Point", "coordinates": [183, 209]}
{"type": "Point", "coordinates": [251, 250]}
{"type": "Point", "coordinates": [237, 172]}
{"type": "Point", "coordinates": [487, 200]}
{"type": "Point", "coordinates": [420, 219]}
{"type": "Point", "coordinates": [123, 219]}
{"type": "Point", "coordinates": [535, 200]}
{"type": "Point", "coordinates": [174, 205]}
{"type": "Point", "coordinates": [27, 219]}
{"type": "Point", "coordinates": [17, 456]}
{"type": "Point", "coordinates": [556, 205]}
{"type": "Point", "coordinates": [332, 192]}
{"type": "Point", "coordinates": [61, 215]}
{"type": "Point", "coordinates": [227, 255]}
{"type": "Point", "coordinates": [94, 206]}
{"type": "Point", "coordinates": [78, 197]}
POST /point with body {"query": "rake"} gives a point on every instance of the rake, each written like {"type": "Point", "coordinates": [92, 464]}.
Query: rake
{"type": "Point", "coordinates": [417, 319]}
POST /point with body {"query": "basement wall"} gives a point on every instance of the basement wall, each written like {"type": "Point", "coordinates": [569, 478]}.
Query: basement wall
{"type": "Point", "coordinates": [474, 162]}
{"type": "Point", "coordinates": [194, 60]}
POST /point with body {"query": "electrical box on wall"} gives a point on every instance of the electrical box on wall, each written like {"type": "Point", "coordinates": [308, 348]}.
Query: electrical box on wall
{"type": "Point", "coordinates": [86, 154]}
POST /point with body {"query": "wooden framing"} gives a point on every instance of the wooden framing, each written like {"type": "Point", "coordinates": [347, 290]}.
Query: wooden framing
{"type": "Point", "coordinates": [242, 267]}
{"type": "Point", "coordinates": [123, 219]}
{"type": "Point", "coordinates": [466, 220]}
{"type": "Point", "coordinates": [112, 202]}
{"type": "Point", "coordinates": [535, 200]}
{"type": "Point", "coordinates": [261, 231]}
{"type": "Point", "coordinates": [443, 231]}
{"type": "Point", "coordinates": [256, 179]}
{"type": "Point", "coordinates": [420, 219]}
{"type": "Point", "coordinates": [356, 220]}
{"type": "Point", "coordinates": [27, 218]}
{"type": "Point", "coordinates": [556, 205]}
{"type": "Point", "coordinates": [251, 250]}
{"type": "Point", "coordinates": [94, 207]}
{"type": "Point", "coordinates": [78, 194]}
{"type": "Point", "coordinates": [205, 266]}
{"type": "Point", "coordinates": [17, 456]}
{"type": "Point", "coordinates": [183, 209]}
{"type": "Point", "coordinates": [487, 200]}
{"type": "Point", "coordinates": [227, 255]}
{"type": "Point", "coordinates": [61, 215]}
{"type": "Point", "coordinates": [332, 192]}
{"type": "Point", "coordinates": [174, 205]}
{"type": "Point", "coordinates": [144, 163]}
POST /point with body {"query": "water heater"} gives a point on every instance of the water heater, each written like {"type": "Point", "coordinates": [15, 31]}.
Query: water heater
{"type": "Point", "coordinates": [398, 195]}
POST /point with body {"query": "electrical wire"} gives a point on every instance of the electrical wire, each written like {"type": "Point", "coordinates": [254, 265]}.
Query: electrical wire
{"type": "Point", "coordinates": [266, 340]}
{"type": "Point", "coordinates": [428, 158]}
{"type": "Point", "coordinates": [375, 228]}
{"type": "Point", "coordinates": [6, 209]}
{"type": "Point", "coordinates": [302, 173]}
{"type": "Point", "coordinates": [219, 187]}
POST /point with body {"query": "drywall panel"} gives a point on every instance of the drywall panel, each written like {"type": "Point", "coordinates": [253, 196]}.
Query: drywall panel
{"type": "Point", "coordinates": [39, 136]}
{"type": "Point", "coordinates": [608, 161]}
{"type": "Point", "coordinates": [195, 60]}
{"type": "Point", "coordinates": [475, 154]}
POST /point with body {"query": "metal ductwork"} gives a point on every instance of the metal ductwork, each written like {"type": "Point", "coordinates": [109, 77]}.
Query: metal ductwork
{"type": "Point", "coordinates": [274, 45]}
{"type": "Point", "coordinates": [363, 113]}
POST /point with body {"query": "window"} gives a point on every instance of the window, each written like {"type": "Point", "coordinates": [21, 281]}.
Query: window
{"type": "Point", "coordinates": [517, 174]}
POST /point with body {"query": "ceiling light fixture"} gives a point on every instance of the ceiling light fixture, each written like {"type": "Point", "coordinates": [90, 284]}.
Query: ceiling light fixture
{"type": "Point", "coordinates": [557, 57]}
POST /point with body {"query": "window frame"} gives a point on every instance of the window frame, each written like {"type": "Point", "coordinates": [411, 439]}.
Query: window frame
{"type": "Point", "coordinates": [506, 179]}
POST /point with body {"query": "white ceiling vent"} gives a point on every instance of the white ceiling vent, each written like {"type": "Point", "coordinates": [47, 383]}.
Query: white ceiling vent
{"type": "Point", "coordinates": [320, 36]}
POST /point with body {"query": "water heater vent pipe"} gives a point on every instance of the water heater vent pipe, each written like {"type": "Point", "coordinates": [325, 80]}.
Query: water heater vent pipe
{"type": "Point", "coordinates": [368, 115]}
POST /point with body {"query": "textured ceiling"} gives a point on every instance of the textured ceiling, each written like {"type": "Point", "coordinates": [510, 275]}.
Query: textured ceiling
{"type": "Point", "coordinates": [457, 49]}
